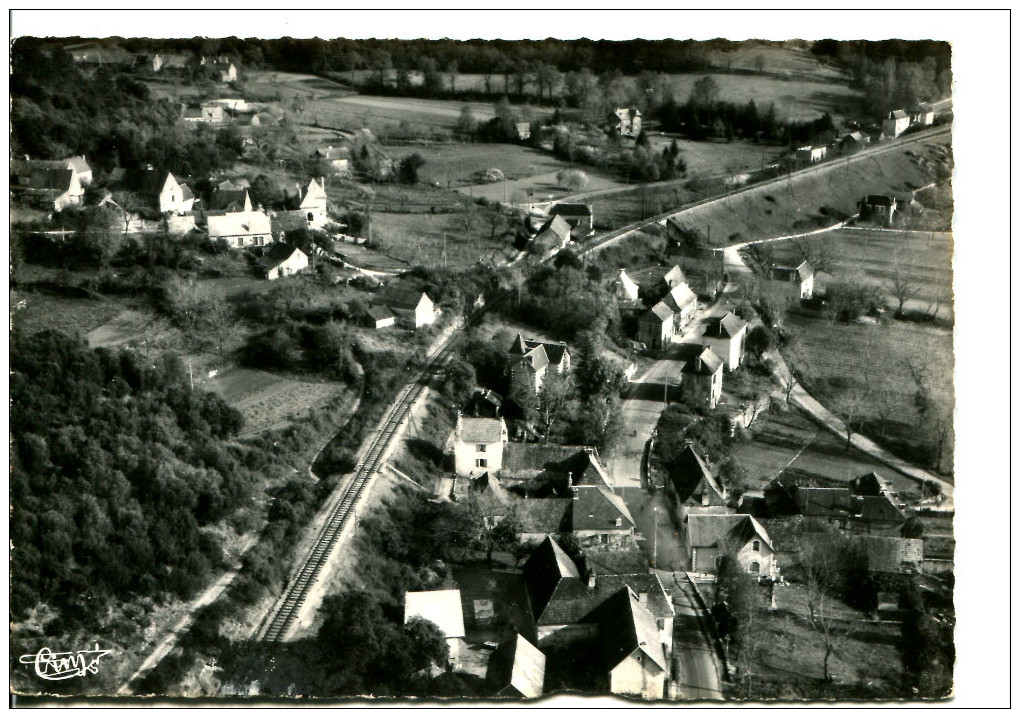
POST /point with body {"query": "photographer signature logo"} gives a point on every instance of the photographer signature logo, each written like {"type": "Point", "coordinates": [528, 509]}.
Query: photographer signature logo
{"type": "Point", "coordinates": [65, 665]}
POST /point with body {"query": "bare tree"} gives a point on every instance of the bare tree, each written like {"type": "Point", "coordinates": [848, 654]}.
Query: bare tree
{"type": "Point", "coordinates": [793, 354]}
{"type": "Point", "coordinates": [496, 219]}
{"type": "Point", "coordinates": [850, 406]}
{"type": "Point", "coordinates": [554, 398]}
{"type": "Point", "coordinates": [938, 295]}
{"type": "Point", "coordinates": [903, 290]}
{"type": "Point", "coordinates": [822, 570]}
{"type": "Point", "coordinates": [886, 404]}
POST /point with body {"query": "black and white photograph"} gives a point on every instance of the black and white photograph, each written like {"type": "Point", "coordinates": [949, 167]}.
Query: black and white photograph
{"type": "Point", "coordinates": [569, 357]}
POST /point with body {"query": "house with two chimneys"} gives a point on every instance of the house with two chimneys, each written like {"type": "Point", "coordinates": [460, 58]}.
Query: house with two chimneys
{"type": "Point", "coordinates": [625, 121]}
{"type": "Point", "coordinates": [532, 359]}
{"type": "Point", "coordinates": [628, 617]}
{"type": "Point", "coordinates": [478, 445]}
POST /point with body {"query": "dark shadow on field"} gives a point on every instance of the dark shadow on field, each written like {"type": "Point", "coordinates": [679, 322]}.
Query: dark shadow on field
{"type": "Point", "coordinates": [830, 102]}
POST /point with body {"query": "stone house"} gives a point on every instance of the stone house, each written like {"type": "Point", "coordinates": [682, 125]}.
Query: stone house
{"type": "Point", "coordinates": [808, 154]}
{"type": "Point", "coordinates": [712, 536]}
{"type": "Point", "coordinates": [516, 670]}
{"type": "Point", "coordinates": [655, 327]}
{"type": "Point", "coordinates": [553, 236]}
{"type": "Point", "coordinates": [337, 160]}
{"type": "Point", "coordinates": [600, 517]}
{"type": "Point", "coordinates": [51, 188]}
{"type": "Point", "coordinates": [240, 229]}
{"type": "Point", "coordinates": [313, 203]}
{"type": "Point", "coordinates": [577, 215]}
{"type": "Point", "coordinates": [725, 336]}
{"type": "Point", "coordinates": [692, 482]}
{"type": "Point", "coordinates": [478, 445]}
{"type": "Point", "coordinates": [379, 316]}
{"type": "Point", "coordinates": [878, 209]}
{"type": "Point", "coordinates": [923, 114]}
{"type": "Point", "coordinates": [635, 663]}
{"type": "Point", "coordinates": [624, 287]}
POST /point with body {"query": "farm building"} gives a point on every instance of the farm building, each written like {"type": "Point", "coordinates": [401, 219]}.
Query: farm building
{"type": "Point", "coordinates": [205, 113]}
{"type": "Point", "coordinates": [852, 142]}
{"type": "Point", "coordinates": [922, 114]}
{"type": "Point", "coordinates": [808, 154]}
{"type": "Point", "coordinates": [895, 123]}
{"type": "Point", "coordinates": [408, 303]}
{"type": "Point", "coordinates": [442, 608]}
{"type": "Point", "coordinates": [379, 316]}
{"type": "Point", "coordinates": [486, 403]}
{"type": "Point", "coordinates": [77, 163]}
{"type": "Point", "coordinates": [878, 209]}
{"type": "Point", "coordinates": [600, 517]}
{"type": "Point", "coordinates": [655, 327]}
{"type": "Point", "coordinates": [226, 72]}
{"type": "Point", "coordinates": [282, 260]}
{"type": "Point", "coordinates": [712, 536]}
{"type": "Point", "coordinates": [553, 236]}
{"type": "Point", "coordinates": [52, 188]}
{"type": "Point", "coordinates": [701, 375]}
{"type": "Point", "coordinates": [516, 669]}
{"type": "Point", "coordinates": [725, 335]}
{"type": "Point", "coordinates": [802, 275]}
{"type": "Point", "coordinates": [532, 359]}
{"type": "Point", "coordinates": [577, 215]}
{"type": "Point", "coordinates": [240, 229]}
{"type": "Point", "coordinates": [337, 160]}
{"type": "Point", "coordinates": [625, 121]}
{"type": "Point", "coordinates": [478, 444]}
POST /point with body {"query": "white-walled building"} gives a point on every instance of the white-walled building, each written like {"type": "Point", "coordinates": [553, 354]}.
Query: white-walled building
{"type": "Point", "coordinates": [478, 445]}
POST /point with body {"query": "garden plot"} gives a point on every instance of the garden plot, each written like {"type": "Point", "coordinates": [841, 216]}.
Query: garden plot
{"type": "Point", "coordinates": [269, 401]}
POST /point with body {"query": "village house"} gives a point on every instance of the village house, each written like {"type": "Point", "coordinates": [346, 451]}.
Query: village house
{"type": "Point", "coordinates": [553, 236]}
{"type": "Point", "coordinates": [516, 670]}
{"type": "Point", "coordinates": [684, 304]}
{"type": "Point", "coordinates": [175, 196]}
{"type": "Point", "coordinates": [226, 72]}
{"type": "Point", "coordinates": [577, 215]}
{"type": "Point", "coordinates": [532, 359]}
{"type": "Point", "coordinates": [77, 163]}
{"type": "Point", "coordinates": [523, 129]}
{"type": "Point", "coordinates": [624, 288]}
{"type": "Point", "coordinates": [655, 327]}
{"type": "Point", "coordinates": [600, 517]}
{"type": "Point", "coordinates": [337, 160]}
{"type": "Point", "coordinates": [867, 505]}
{"type": "Point", "coordinates": [205, 113]}
{"type": "Point", "coordinates": [922, 114]}
{"type": "Point", "coordinates": [878, 209]}
{"type": "Point", "coordinates": [725, 336]}
{"type": "Point", "coordinates": [444, 609]}
{"type": "Point", "coordinates": [808, 154]}
{"type": "Point", "coordinates": [485, 403]}
{"type": "Point", "coordinates": [51, 188]}
{"type": "Point", "coordinates": [692, 482]}
{"type": "Point", "coordinates": [635, 663]}
{"type": "Point", "coordinates": [882, 554]}
{"type": "Point", "coordinates": [411, 305]}
{"type": "Point", "coordinates": [478, 445]}
{"type": "Point", "coordinates": [313, 203]}
{"type": "Point", "coordinates": [230, 197]}
{"type": "Point", "coordinates": [240, 229]}
{"type": "Point", "coordinates": [701, 375]}
{"type": "Point", "coordinates": [854, 141]}
{"type": "Point", "coordinates": [801, 274]}
{"type": "Point", "coordinates": [625, 121]}
{"type": "Point", "coordinates": [895, 123]}
{"type": "Point", "coordinates": [712, 536]}
{"type": "Point", "coordinates": [546, 469]}
{"type": "Point", "coordinates": [282, 260]}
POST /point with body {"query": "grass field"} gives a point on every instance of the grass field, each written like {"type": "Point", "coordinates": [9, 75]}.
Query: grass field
{"type": "Point", "coordinates": [33, 312]}
{"type": "Point", "coordinates": [778, 436]}
{"type": "Point", "coordinates": [789, 207]}
{"type": "Point", "coordinates": [873, 358]}
{"type": "Point", "coordinates": [269, 401]}
{"type": "Point", "coordinates": [435, 240]}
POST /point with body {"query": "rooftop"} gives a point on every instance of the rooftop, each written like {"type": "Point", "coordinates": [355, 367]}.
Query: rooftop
{"type": "Point", "coordinates": [441, 607]}
{"type": "Point", "coordinates": [480, 430]}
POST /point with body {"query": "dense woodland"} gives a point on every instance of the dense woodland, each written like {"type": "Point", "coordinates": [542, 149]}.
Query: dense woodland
{"type": "Point", "coordinates": [117, 466]}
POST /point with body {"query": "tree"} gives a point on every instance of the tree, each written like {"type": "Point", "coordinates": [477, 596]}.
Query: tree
{"type": "Point", "coordinates": [739, 607]}
{"type": "Point", "coordinates": [467, 219]}
{"type": "Point", "coordinates": [554, 398]}
{"type": "Point", "coordinates": [409, 167]}
{"type": "Point", "coordinates": [460, 380]}
{"type": "Point", "coordinates": [793, 355]}
{"type": "Point", "coordinates": [572, 179]}
{"type": "Point", "coordinates": [849, 406]}
{"type": "Point", "coordinates": [467, 124]}
{"type": "Point", "coordinates": [546, 76]}
{"type": "Point", "coordinates": [496, 219]}
{"type": "Point", "coordinates": [705, 92]}
{"type": "Point", "coordinates": [758, 63]}
{"type": "Point", "coordinates": [759, 340]}
{"type": "Point", "coordinates": [451, 72]}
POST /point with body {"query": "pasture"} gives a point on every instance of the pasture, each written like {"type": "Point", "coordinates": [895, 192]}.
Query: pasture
{"type": "Point", "coordinates": [32, 311]}
{"type": "Point", "coordinates": [791, 206]}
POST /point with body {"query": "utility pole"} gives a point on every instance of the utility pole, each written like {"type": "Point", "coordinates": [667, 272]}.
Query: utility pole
{"type": "Point", "coordinates": [655, 537]}
{"type": "Point", "coordinates": [191, 374]}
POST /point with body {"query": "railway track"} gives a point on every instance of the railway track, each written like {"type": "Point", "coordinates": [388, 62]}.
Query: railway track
{"type": "Point", "coordinates": [276, 624]}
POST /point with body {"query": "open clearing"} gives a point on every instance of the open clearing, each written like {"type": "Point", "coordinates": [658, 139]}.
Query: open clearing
{"type": "Point", "coordinates": [33, 312]}
{"type": "Point", "coordinates": [269, 401]}
{"type": "Point", "coordinates": [792, 206]}
{"type": "Point", "coordinates": [435, 240]}
{"type": "Point", "coordinates": [779, 435]}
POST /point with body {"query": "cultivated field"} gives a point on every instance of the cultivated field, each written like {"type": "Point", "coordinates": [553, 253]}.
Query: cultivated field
{"type": "Point", "coordinates": [777, 436]}
{"type": "Point", "coordinates": [269, 401]}
{"type": "Point", "coordinates": [793, 206]}
{"type": "Point", "coordinates": [923, 260]}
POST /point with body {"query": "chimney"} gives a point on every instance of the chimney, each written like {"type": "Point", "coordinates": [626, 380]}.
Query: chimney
{"type": "Point", "coordinates": [591, 581]}
{"type": "Point", "coordinates": [570, 479]}
{"type": "Point", "coordinates": [299, 191]}
{"type": "Point", "coordinates": [643, 598]}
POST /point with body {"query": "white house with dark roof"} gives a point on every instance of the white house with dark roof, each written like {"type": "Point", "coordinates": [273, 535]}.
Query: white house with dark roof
{"type": "Point", "coordinates": [634, 659]}
{"type": "Point", "coordinates": [282, 260]}
{"type": "Point", "coordinates": [712, 536]}
{"type": "Point", "coordinates": [624, 287]}
{"type": "Point", "coordinates": [53, 188]}
{"type": "Point", "coordinates": [625, 121]}
{"type": "Point", "coordinates": [725, 336]}
{"type": "Point", "coordinates": [379, 316]}
{"type": "Point", "coordinates": [577, 214]}
{"type": "Point", "coordinates": [802, 275]}
{"type": "Point", "coordinates": [553, 236]}
{"type": "Point", "coordinates": [701, 375]}
{"type": "Point", "coordinates": [240, 229]}
{"type": "Point", "coordinates": [338, 160]}
{"type": "Point", "coordinates": [923, 114]}
{"type": "Point", "coordinates": [808, 154]}
{"type": "Point", "coordinates": [478, 445]}
{"type": "Point", "coordinates": [408, 303]}
{"type": "Point", "coordinates": [895, 123]}
{"type": "Point", "coordinates": [532, 358]}
{"type": "Point", "coordinates": [684, 304]}
{"type": "Point", "coordinates": [655, 327]}
{"type": "Point", "coordinates": [600, 517]}
{"type": "Point", "coordinates": [175, 196]}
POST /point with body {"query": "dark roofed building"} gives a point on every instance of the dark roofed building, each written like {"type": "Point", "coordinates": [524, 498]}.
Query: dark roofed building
{"type": "Point", "coordinates": [692, 481]}
{"type": "Point", "coordinates": [625, 560]}
{"type": "Point", "coordinates": [408, 302]}
{"type": "Point", "coordinates": [701, 375]}
{"type": "Point", "coordinates": [632, 652]}
{"type": "Point", "coordinates": [544, 570]}
{"type": "Point", "coordinates": [576, 214]}
{"type": "Point", "coordinates": [554, 235]}
{"type": "Point", "coordinates": [540, 517]}
{"type": "Point", "coordinates": [516, 669]}
{"type": "Point", "coordinates": [282, 260]}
